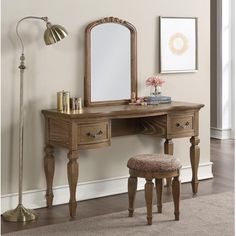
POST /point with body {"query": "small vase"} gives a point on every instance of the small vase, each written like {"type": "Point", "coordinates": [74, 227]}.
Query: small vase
{"type": "Point", "coordinates": [156, 91]}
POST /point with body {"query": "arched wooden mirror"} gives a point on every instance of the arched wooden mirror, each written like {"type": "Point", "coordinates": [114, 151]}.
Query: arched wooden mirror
{"type": "Point", "coordinates": [110, 62]}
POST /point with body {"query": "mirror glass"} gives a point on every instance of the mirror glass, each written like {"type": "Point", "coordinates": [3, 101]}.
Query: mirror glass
{"type": "Point", "coordinates": [110, 62]}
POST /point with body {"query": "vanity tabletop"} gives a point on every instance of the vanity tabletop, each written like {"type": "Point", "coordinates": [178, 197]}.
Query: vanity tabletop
{"type": "Point", "coordinates": [119, 111]}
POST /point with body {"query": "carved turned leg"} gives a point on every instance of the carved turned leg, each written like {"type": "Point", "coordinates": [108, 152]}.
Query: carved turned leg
{"type": "Point", "coordinates": [132, 187]}
{"type": "Point", "coordinates": [194, 158]}
{"type": "Point", "coordinates": [176, 195]}
{"type": "Point", "coordinates": [72, 172]}
{"type": "Point", "coordinates": [168, 149]}
{"type": "Point", "coordinates": [49, 167]}
{"type": "Point", "coordinates": [159, 183]}
{"type": "Point", "coordinates": [148, 197]}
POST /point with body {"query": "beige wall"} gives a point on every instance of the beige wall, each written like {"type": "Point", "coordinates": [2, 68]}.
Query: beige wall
{"type": "Point", "coordinates": [61, 66]}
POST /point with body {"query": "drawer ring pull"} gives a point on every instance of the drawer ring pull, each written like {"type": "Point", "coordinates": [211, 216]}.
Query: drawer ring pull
{"type": "Point", "coordinates": [186, 125]}
{"type": "Point", "coordinates": [98, 134]}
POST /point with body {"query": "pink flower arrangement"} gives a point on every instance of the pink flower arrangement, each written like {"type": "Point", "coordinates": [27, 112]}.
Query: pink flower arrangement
{"type": "Point", "coordinates": [155, 81]}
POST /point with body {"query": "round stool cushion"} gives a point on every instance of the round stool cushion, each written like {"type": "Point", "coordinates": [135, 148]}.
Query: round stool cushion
{"type": "Point", "coordinates": [154, 163]}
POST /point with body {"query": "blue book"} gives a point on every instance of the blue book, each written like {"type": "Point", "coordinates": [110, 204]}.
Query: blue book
{"type": "Point", "coordinates": [157, 98]}
{"type": "Point", "coordinates": [158, 102]}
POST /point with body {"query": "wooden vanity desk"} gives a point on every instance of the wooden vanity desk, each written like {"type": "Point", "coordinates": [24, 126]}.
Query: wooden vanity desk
{"type": "Point", "coordinates": [94, 127]}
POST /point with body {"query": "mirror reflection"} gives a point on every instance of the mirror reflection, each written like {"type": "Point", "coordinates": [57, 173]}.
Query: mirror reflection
{"type": "Point", "coordinates": [110, 62]}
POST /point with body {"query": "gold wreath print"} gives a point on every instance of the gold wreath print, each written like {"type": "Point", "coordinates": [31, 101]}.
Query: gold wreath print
{"type": "Point", "coordinates": [178, 44]}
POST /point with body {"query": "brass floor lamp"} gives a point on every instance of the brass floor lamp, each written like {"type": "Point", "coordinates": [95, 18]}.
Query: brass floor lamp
{"type": "Point", "coordinates": [52, 34]}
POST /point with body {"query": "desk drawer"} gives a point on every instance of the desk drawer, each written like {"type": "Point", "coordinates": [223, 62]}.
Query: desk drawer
{"type": "Point", "coordinates": [93, 134]}
{"type": "Point", "coordinates": [181, 125]}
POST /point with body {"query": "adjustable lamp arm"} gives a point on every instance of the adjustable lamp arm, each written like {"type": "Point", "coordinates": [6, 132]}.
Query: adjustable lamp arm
{"type": "Point", "coordinates": [17, 28]}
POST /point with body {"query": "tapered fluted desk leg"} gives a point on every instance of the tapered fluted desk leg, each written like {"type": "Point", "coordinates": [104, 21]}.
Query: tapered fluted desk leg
{"type": "Point", "coordinates": [49, 167]}
{"type": "Point", "coordinates": [168, 149]}
{"type": "Point", "coordinates": [194, 158]}
{"type": "Point", "coordinates": [72, 173]}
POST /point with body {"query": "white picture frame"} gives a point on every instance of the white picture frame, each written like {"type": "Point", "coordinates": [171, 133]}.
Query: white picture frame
{"type": "Point", "coordinates": [178, 44]}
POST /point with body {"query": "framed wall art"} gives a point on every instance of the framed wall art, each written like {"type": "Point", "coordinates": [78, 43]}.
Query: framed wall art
{"type": "Point", "coordinates": [178, 44]}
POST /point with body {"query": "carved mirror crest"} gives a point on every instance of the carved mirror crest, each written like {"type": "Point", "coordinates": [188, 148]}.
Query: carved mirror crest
{"type": "Point", "coordinates": [110, 62]}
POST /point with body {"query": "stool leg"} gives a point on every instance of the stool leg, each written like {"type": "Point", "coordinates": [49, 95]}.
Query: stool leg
{"type": "Point", "coordinates": [168, 183]}
{"type": "Point", "coordinates": [148, 198]}
{"type": "Point", "coordinates": [132, 186]}
{"type": "Point", "coordinates": [159, 184]}
{"type": "Point", "coordinates": [176, 195]}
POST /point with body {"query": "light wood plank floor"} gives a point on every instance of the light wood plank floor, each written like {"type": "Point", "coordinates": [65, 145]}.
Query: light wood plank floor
{"type": "Point", "coordinates": [222, 155]}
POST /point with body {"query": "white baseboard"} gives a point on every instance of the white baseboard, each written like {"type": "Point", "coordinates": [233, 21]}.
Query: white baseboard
{"type": "Point", "coordinates": [94, 189]}
{"type": "Point", "coordinates": [221, 133]}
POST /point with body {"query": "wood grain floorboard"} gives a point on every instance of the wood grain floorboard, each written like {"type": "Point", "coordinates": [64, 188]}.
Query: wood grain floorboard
{"type": "Point", "coordinates": [222, 155]}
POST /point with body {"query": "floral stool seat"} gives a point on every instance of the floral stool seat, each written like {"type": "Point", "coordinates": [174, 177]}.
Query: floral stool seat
{"type": "Point", "coordinates": [154, 166]}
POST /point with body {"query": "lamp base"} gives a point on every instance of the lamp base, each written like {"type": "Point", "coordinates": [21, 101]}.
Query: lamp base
{"type": "Point", "coordinates": [19, 214]}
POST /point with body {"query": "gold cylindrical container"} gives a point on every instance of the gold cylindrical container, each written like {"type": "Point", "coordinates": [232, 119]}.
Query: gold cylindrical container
{"type": "Point", "coordinates": [60, 101]}
{"type": "Point", "coordinates": [76, 103]}
{"type": "Point", "coordinates": [72, 103]}
{"type": "Point", "coordinates": [66, 101]}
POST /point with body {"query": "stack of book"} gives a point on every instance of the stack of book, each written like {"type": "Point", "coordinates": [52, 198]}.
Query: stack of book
{"type": "Point", "coordinates": [154, 100]}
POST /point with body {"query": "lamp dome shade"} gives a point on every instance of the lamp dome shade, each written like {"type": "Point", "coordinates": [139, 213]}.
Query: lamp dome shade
{"type": "Point", "coordinates": [54, 33]}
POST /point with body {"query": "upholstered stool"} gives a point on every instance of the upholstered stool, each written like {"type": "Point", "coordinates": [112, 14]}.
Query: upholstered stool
{"type": "Point", "coordinates": [154, 166]}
